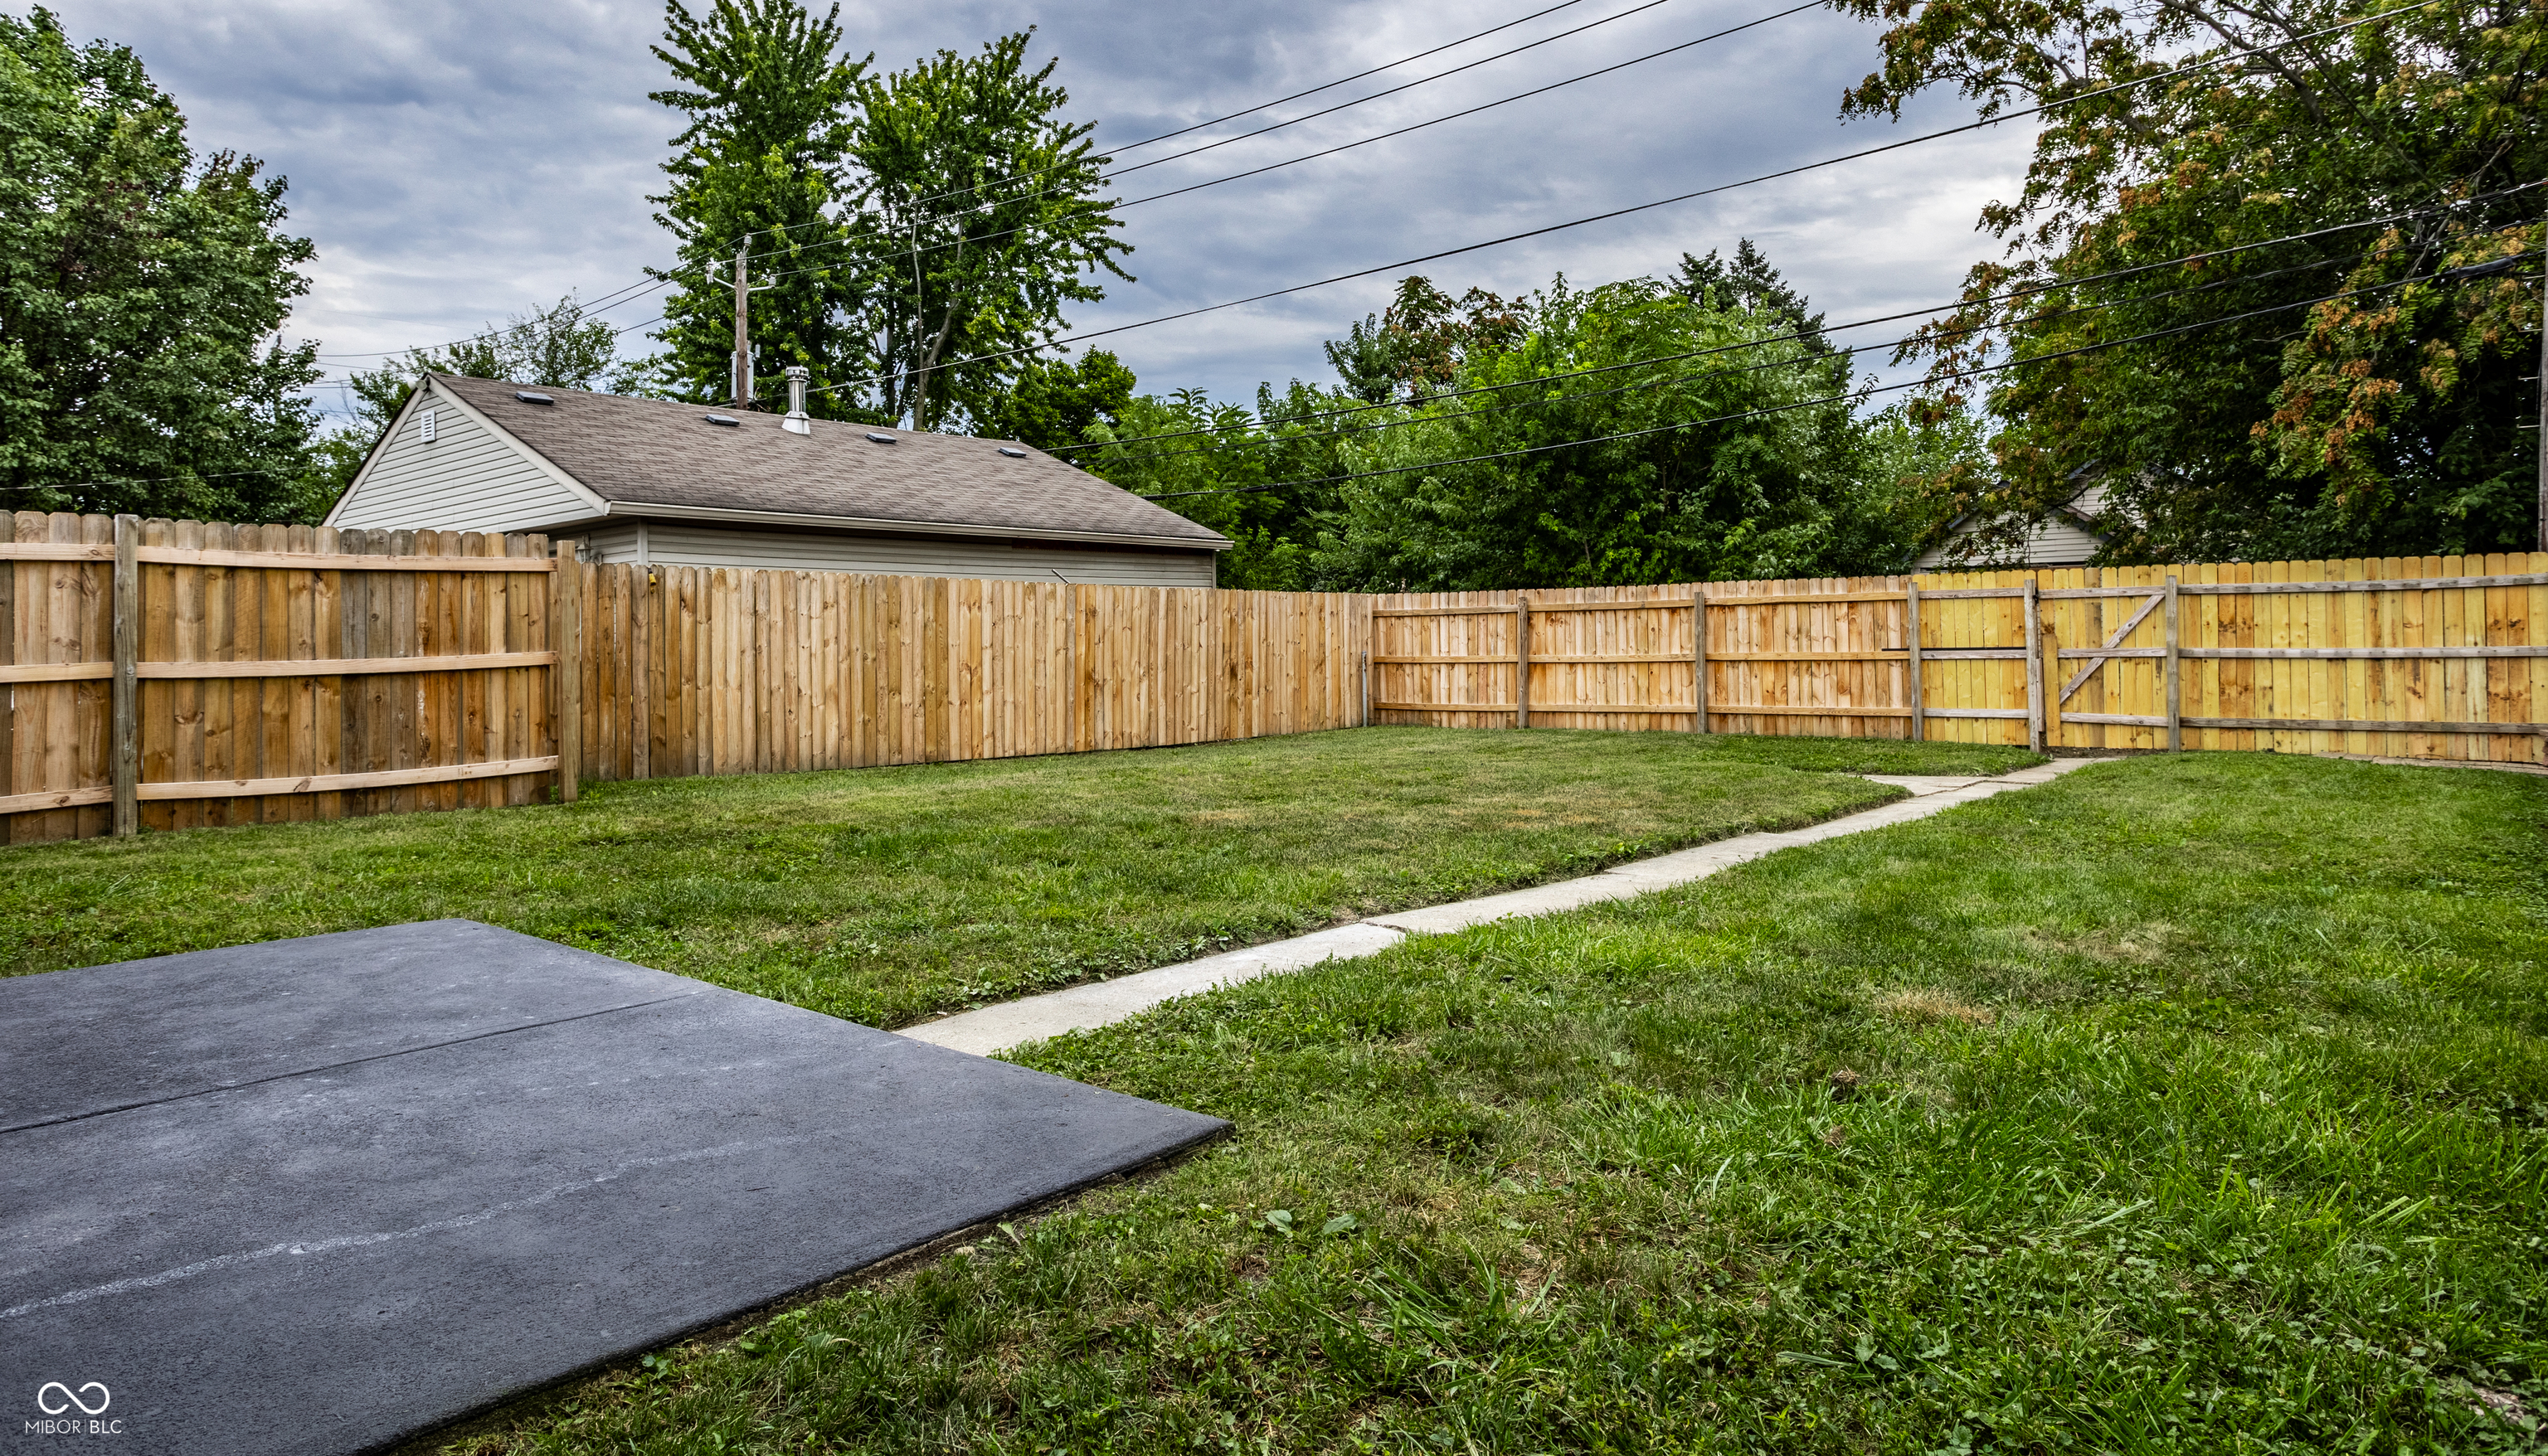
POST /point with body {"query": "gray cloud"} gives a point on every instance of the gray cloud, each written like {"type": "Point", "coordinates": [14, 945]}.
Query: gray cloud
{"type": "Point", "coordinates": [459, 161]}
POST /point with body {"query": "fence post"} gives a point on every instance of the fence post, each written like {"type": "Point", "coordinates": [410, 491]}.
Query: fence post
{"type": "Point", "coordinates": [566, 638]}
{"type": "Point", "coordinates": [1911, 644]}
{"type": "Point", "coordinates": [2034, 671]}
{"type": "Point", "coordinates": [2175, 734]}
{"type": "Point", "coordinates": [123, 768]}
{"type": "Point", "coordinates": [1699, 657]}
{"type": "Point", "coordinates": [1366, 690]}
{"type": "Point", "coordinates": [2047, 663]}
{"type": "Point", "coordinates": [1521, 663]}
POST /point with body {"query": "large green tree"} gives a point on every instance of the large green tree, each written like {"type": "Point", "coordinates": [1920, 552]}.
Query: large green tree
{"type": "Point", "coordinates": [1054, 403]}
{"type": "Point", "coordinates": [2384, 423]}
{"type": "Point", "coordinates": [142, 289]}
{"type": "Point", "coordinates": [760, 170]}
{"type": "Point", "coordinates": [1630, 474]}
{"type": "Point", "coordinates": [1421, 341]}
{"type": "Point", "coordinates": [1687, 495]}
{"type": "Point", "coordinates": [976, 221]}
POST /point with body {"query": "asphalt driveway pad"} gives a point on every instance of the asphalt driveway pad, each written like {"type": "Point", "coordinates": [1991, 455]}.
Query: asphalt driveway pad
{"type": "Point", "coordinates": [434, 1183]}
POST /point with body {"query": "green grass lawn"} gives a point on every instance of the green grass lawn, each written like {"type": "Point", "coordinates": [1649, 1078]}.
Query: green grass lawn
{"type": "Point", "coordinates": [2193, 1103]}
{"type": "Point", "coordinates": [886, 895]}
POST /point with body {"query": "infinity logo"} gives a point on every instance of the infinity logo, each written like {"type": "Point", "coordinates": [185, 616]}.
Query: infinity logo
{"type": "Point", "coordinates": [71, 1398]}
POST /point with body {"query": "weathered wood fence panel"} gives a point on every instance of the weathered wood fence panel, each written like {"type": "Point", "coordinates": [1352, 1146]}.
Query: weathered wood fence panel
{"type": "Point", "coordinates": [267, 674]}
{"type": "Point", "coordinates": [2430, 657]}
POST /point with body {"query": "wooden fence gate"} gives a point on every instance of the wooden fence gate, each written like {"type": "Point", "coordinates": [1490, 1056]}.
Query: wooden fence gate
{"type": "Point", "coordinates": [2435, 657]}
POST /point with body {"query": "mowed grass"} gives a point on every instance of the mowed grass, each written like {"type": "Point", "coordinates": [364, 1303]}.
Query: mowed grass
{"type": "Point", "coordinates": [886, 895]}
{"type": "Point", "coordinates": [2188, 1105]}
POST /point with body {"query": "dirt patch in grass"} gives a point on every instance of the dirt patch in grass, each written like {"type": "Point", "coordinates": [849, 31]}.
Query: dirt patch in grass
{"type": "Point", "coordinates": [1927, 1005]}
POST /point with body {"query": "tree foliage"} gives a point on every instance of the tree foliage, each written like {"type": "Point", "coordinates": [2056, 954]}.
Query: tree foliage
{"type": "Point", "coordinates": [976, 222]}
{"type": "Point", "coordinates": [1489, 460]}
{"type": "Point", "coordinates": [555, 346]}
{"type": "Point", "coordinates": [1748, 281]}
{"type": "Point", "coordinates": [1684, 496]}
{"type": "Point", "coordinates": [2376, 424]}
{"type": "Point", "coordinates": [759, 169]}
{"type": "Point", "coordinates": [1212, 461]}
{"type": "Point", "coordinates": [141, 290]}
{"type": "Point", "coordinates": [1421, 341]}
{"type": "Point", "coordinates": [1054, 403]}
{"type": "Point", "coordinates": [922, 229]}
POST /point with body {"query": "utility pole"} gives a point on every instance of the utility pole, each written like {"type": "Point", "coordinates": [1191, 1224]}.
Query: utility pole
{"type": "Point", "coordinates": [743, 323]}
{"type": "Point", "coordinates": [2539, 411]}
{"type": "Point", "coordinates": [740, 373]}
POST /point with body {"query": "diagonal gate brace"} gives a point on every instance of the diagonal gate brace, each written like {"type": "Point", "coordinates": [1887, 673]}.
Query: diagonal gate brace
{"type": "Point", "coordinates": [2114, 639]}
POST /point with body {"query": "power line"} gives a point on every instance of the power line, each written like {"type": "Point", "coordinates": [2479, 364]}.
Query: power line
{"type": "Point", "coordinates": [1331, 85]}
{"type": "Point", "coordinates": [1616, 213]}
{"type": "Point", "coordinates": [964, 241]}
{"type": "Point", "coordinates": [161, 479]}
{"type": "Point", "coordinates": [1429, 81]}
{"type": "Point", "coordinates": [1313, 91]}
{"type": "Point", "coordinates": [1805, 360]}
{"type": "Point", "coordinates": [1472, 111]}
{"type": "Point", "coordinates": [1330, 111]}
{"type": "Point", "coordinates": [2008, 297]}
{"type": "Point", "coordinates": [1971, 373]}
{"type": "Point", "coordinates": [607, 301]}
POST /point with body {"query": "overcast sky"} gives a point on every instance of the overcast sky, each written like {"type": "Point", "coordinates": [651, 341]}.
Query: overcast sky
{"type": "Point", "coordinates": [460, 160]}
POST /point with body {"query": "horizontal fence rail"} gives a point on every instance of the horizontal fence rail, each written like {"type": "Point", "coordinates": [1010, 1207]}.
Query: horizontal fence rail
{"type": "Point", "coordinates": [169, 674]}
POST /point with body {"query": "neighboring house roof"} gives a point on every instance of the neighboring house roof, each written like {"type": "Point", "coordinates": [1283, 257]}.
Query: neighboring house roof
{"type": "Point", "coordinates": [2069, 536]}
{"type": "Point", "coordinates": [665, 459]}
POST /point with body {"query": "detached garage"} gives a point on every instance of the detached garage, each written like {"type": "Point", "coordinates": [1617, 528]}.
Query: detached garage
{"type": "Point", "coordinates": [655, 482]}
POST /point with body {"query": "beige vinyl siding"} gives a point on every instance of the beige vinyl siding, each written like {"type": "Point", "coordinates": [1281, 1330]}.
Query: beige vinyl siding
{"type": "Point", "coordinates": [686, 544]}
{"type": "Point", "coordinates": [615, 544]}
{"type": "Point", "coordinates": [2057, 542]}
{"type": "Point", "coordinates": [469, 478]}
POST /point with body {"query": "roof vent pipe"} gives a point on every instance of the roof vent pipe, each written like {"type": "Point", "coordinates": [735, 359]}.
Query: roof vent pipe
{"type": "Point", "coordinates": [795, 424]}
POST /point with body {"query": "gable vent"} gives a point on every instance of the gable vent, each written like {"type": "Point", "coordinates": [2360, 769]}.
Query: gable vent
{"type": "Point", "coordinates": [529, 396]}
{"type": "Point", "coordinates": [1013, 454]}
{"type": "Point", "coordinates": [880, 440]}
{"type": "Point", "coordinates": [720, 420]}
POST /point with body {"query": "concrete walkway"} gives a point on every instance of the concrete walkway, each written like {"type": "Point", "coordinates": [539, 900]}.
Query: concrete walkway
{"type": "Point", "coordinates": [1101, 1003]}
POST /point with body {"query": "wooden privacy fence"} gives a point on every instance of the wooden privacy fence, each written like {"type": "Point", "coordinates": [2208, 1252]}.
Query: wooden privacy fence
{"type": "Point", "coordinates": [2432, 657]}
{"type": "Point", "coordinates": [176, 673]}
{"type": "Point", "coordinates": [693, 669]}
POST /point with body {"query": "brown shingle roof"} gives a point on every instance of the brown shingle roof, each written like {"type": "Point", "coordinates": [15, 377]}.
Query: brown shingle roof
{"type": "Point", "coordinates": [656, 452]}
